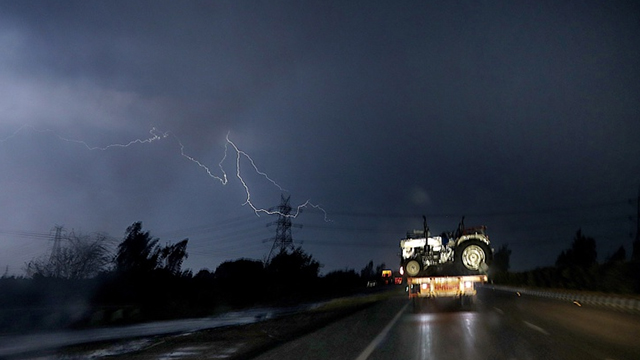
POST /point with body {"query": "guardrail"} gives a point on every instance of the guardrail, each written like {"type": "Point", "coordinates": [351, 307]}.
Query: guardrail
{"type": "Point", "coordinates": [616, 302]}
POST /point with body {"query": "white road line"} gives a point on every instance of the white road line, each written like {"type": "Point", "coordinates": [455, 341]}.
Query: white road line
{"type": "Point", "coordinates": [535, 327]}
{"type": "Point", "coordinates": [499, 311]}
{"type": "Point", "coordinates": [372, 346]}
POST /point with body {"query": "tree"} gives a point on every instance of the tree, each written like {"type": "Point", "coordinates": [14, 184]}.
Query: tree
{"type": "Point", "coordinates": [138, 252]}
{"type": "Point", "coordinates": [171, 257]}
{"type": "Point", "coordinates": [370, 271]}
{"type": "Point", "coordinates": [239, 270]}
{"type": "Point", "coordinates": [232, 277]}
{"type": "Point", "coordinates": [296, 265]}
{"type": "Point", "coordinates": [619, 256]}
{"type": "Point", "coordinates": [292, 275]}
{"type": "Point", "coordinates": [81, 257]}
{"type": "Point", "coordinates": [205, 274]}
{"type": "Point", "coordinates": [635, 252]}
{"type": "Point", "coordinates": [367, 271]}
{"type": "Point", "coordinates": [582, 254]}
{"type": "Point", "coordinates": [340, 281]}
{"type": "Point", "coordinates": [501, 257]}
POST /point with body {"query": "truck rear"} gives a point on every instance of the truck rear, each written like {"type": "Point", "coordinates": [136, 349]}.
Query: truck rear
{"type": "Point", "coordinates": [462, 288]}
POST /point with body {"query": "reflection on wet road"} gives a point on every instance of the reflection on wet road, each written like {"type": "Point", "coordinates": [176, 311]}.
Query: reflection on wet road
{"type": "Point", "coordinates": [501, 325]}
{"type": "Point", "coordinates": [506, 326]}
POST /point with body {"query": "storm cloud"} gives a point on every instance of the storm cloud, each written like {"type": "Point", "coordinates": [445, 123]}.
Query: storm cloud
{"type": "Point", "coordinates": [521, 116]}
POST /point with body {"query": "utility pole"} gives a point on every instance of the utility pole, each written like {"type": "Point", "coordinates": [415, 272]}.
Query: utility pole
{"type": "Point", "coordinates": [283, 239]}
{"type": "Point", "coordinates": [635, 255]}
{"type": "Point", "coordinates": [55, 252]}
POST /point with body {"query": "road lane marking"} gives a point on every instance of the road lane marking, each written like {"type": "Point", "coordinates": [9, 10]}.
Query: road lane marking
{"type": "Point", "coordinates": [535, 327]}
{"type": "Point", "coordinates": [499, 311]}
{"type": "Point", "coordinates": [374, 344]}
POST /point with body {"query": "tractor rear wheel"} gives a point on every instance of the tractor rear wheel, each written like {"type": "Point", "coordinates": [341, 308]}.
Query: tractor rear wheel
{"type": "Point", "coordinates": [473, 256]}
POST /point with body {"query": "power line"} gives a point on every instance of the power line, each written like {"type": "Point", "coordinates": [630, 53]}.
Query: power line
{"type": "Point", "coordinates": [489, 213]}
{"type": "Point", "coordinates": [348, 244]}
{"type": "Point", "coordinates": [233, 234]}
{"type": "Point", "coordinates": [26, 234]}
{"type": "Point", "coordinates": [205, 229]}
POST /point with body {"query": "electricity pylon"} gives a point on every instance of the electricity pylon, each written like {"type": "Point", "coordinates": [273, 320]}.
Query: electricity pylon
{"type": "Point", "coordinates": [283, 239]}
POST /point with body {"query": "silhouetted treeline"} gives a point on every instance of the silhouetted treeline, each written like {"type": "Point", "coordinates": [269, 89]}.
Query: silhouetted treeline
{"type": "Point", "coordinates": [144, 281]}
{"type": "Point", "coordinates": [577, 268]}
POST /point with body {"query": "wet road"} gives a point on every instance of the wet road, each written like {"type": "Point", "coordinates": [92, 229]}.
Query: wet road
{"type": "Point", "coordinates": [502, 325]}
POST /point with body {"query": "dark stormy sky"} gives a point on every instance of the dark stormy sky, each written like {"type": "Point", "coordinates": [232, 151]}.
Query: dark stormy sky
{"type": "Point", "coordinates": [523, 116]}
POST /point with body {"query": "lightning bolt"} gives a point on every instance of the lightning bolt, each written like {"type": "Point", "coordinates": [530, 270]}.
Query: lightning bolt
{"type": "Point", "coordinates": [223, 180]}
{"type": "Point", "coordinates": [157, 135]}
{"type": "Point", "coordinates": [258, 211]}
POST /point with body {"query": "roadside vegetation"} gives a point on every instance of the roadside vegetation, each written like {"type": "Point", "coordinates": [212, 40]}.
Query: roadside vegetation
{"type": "Point", "coordinates": [85, 284]}
{"type": "Point", "coordinates": [576, 268]}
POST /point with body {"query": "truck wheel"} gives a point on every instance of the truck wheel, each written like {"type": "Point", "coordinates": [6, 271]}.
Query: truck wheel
{"type": "Point", "coordinates": [412, 267]}
{"type": "Point", "coordinates": [471, 255]}
{"type": "Point", "coordinates": [467, 301]}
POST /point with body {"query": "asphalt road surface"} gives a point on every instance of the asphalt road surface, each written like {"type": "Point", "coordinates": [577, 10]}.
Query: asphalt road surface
{"type": "Point", "coordinates": [501, 325]}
